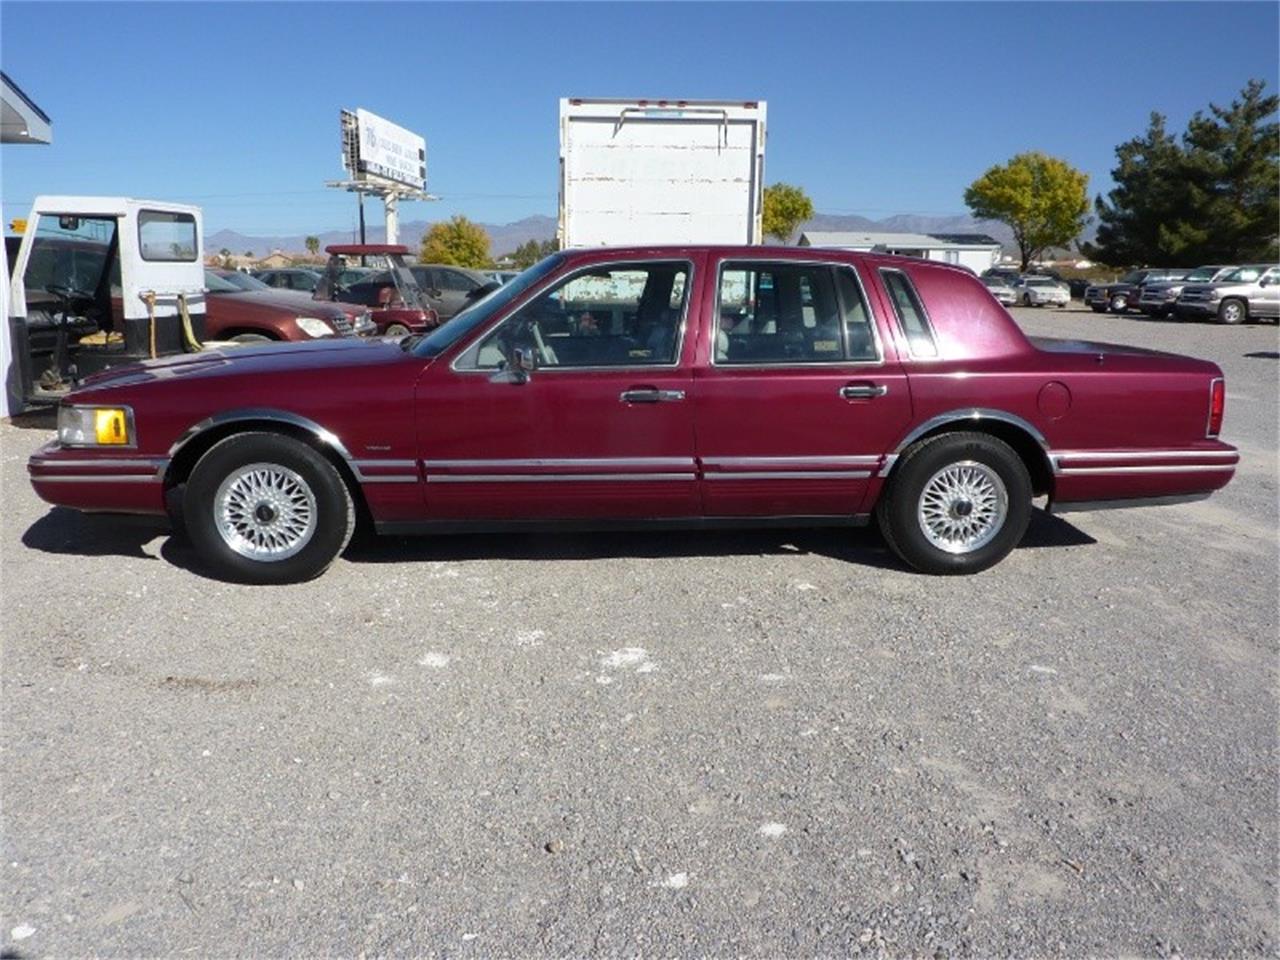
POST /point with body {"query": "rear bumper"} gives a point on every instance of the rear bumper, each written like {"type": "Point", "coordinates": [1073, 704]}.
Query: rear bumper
{"type": "Point", "coordinates": [90, 480]}
{"type": "Point", "coordinates": [1095, 476]}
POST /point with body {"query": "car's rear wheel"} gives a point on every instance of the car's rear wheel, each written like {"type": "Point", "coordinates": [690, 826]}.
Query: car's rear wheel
{"type": "Point", "coordinates": [251, 338]}
{"type": "Point", "coordinates": [1232, 312]}
{"type": "Point", "coordinates": [1026, 299]}
{"type": "Point", "coordinates": [266, 508]}
{"type": "Point", "coordinates": [958, 503]}
{"type": "Point", "coordinates": [397, 330]}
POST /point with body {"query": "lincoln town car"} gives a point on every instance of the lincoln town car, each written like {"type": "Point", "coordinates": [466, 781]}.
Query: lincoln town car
{"type": "Point", "coordinates": [656, 386]}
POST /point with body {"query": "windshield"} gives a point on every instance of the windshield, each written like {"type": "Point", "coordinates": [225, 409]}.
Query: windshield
{"type": "Point", "coordinates": [407, 288]}
{"type": "Point", "coordinates": [482, 310]}
{"type": "Point", "coordinates": [242, 281]}
{"type": "Point", "coordinates": [215, 284]}
{"type": "Point", "coordinates": [1041, 282]}
{"type": "Point", "coordinates": [994, 281]}
{"type": "Point", "coordinates": [1243, 275]}
{"type": "Point", "coordinates": [1201, 273]}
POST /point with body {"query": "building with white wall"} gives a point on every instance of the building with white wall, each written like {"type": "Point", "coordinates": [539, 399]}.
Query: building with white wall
{"type": "Point", "coordinates": [975, 251]}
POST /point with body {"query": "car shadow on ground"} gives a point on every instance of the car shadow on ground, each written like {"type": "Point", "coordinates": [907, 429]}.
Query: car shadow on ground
{"type": "Point", "coordinates": [72, 533]}
{"type": "Point", "coordinates": [858, 545]}
{"type": "Point", "coordinates": [37, 418]}
{"type": "Point", "coordinates": [68, 532]}
{"type": "Point", "coordinates": [1263, 355]}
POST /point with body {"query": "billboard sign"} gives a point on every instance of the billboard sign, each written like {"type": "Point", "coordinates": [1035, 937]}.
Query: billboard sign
{"type": "Point", "coordinates": [377, 149]}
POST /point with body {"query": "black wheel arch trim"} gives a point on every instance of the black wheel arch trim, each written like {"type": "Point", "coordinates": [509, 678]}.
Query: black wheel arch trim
{"type": "Point", "coordinates": [326, 439]}
{"type": "Point", "coordinates": [975, 418]}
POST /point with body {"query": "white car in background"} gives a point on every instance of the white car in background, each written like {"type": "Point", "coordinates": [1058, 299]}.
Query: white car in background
{"type": "Point", "coordinates": [1000, 289]}
{"type": "Point", "coordinates": [1041, 292]}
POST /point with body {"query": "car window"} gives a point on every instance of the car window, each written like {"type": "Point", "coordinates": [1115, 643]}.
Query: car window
{"type": "Point", "coordinates": [1243, 275]}
{"type": "Point", "coordinates": [616, 315]}
{"type": "Point", "coordinates": [791, 313]}
{"type": "Point", "coordinates": [910, 313]}
{"type": "Point", "coordinates": [453, 280]}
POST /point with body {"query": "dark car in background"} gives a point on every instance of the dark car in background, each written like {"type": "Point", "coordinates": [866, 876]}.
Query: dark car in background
{"type": "Point", "coordinates": [239, 307]}
{"type": "Point", "coordinates": [299, 279]}
{"type": "Point", "coordinates": [1124, 294]}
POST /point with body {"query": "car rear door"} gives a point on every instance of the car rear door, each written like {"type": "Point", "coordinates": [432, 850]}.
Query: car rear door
{"type": "Point", "coordinates": [800, 394]}
{"type": "Point", "coordinates": [601, 429]}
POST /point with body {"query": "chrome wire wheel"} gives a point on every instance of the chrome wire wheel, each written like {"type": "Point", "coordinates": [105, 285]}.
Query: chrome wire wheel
{"type": "Point", "coordinates": [265, 512]}
{"type": "Point", "coordinates": [962, 507]}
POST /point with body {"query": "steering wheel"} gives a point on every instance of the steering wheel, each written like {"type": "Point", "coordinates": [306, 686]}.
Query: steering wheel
{"type": "Point", "coordinates": [68, 294]}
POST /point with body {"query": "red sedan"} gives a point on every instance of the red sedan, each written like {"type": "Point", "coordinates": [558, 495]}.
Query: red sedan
{"type": "Point", "coordinates": [687, 387]}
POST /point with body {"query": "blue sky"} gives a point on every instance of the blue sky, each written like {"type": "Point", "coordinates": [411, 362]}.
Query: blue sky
{"type": "Point", "coordinates": [874, 108]}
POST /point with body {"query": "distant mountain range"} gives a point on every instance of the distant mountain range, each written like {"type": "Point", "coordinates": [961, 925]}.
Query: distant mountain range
{"type": "Point", "coordinates": [505, 237]}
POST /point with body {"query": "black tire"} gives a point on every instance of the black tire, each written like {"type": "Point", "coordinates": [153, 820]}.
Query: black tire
{"type": "Point", "coordinates": [1097, 308]}
{"type": "Point", "coordinates": [250, 338]}
{"type": "Point", "coordinates": [1026, 299]}
{"type": "Point", "coordinates": [1233, 311]}
{"type": "Point", "coordinates": [397, 330]}
{"type": "Point", "coordinates": [899, 506]}
{"type": "Point", "coordinates": [1119, 303]}
{"type": "Point", "coordinates": [330, 512]}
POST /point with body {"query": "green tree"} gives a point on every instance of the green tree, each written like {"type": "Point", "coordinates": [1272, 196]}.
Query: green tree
{"type": "Point", "coordinates": [459, 242]}
{"type": "Point", "coordinates": [1044, 200]}
{"type": "Point", "coordinates": [785, 208]}
{"type": "Point", "coordinates": [313, 245]}
{"type": "Point", "coordinates": [531, 251]}
{"type": "Point", "coordinates": [1212, 196]}
{"type": "Point", "coordinates": [227, 262]}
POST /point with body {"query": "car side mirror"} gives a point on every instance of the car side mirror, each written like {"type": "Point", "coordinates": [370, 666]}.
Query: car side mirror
{"type": "Point", "coordinates": [517, 368]}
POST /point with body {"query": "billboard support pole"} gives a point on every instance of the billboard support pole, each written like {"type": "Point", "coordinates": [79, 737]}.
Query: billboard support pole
{"type": "Point", "coordinates": [392, 217]}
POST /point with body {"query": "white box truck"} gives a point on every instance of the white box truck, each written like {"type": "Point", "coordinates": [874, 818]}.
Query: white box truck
{"type": "Point", "coordinates": [638, 172]}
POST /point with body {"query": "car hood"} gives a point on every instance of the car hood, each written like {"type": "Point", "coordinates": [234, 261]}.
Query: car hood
{"type": "Point", "coordinates": [319, 355]}
{"type": "Point", "coordinates": [293, 303]}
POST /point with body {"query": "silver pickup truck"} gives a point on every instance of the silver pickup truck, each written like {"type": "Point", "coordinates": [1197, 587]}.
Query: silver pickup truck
{"type": "Point", "coordinates": [1246, 293]}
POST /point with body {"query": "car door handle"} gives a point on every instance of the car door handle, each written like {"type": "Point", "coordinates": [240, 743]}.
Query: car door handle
{"type": "Point", "coordinates": [650, 395]}
{"type": "Point", "coordinates": [863, 391]}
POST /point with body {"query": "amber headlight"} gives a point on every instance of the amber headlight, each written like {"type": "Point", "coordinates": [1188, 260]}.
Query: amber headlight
{"type": "Point", "coordinates": [95, 426]}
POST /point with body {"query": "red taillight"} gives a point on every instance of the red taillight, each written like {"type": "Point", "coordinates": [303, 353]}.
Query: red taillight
{"type": "Point", "coordinates": [1217, 405]}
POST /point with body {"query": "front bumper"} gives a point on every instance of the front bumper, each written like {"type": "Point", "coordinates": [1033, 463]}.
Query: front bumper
{"type": "Point", "coordinates": [1196, 308]}
{"type": "Point", "coordinates": [98, 481]}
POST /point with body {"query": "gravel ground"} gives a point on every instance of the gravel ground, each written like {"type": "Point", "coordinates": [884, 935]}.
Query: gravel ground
{"type": "Point", "coordinates": [755, 744]}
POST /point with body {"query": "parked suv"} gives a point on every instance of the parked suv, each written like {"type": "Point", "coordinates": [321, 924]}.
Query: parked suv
{"type": "Point", "coordinates": [1125, 293]}
{"type": "Point", "coordinates": [1158, 299]}
{"type": "Point", "coordinates": [1248, 292]}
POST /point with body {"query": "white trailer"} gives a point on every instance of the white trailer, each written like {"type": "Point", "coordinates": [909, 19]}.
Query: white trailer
{"type": "Point", "coordinates": [661, 171]}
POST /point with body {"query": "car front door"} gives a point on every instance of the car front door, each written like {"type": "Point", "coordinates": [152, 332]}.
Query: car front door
{"type": "Point", "coordinates": [1265, 302]}
{"type": "Point", "coordinates": [800, 395]}
{"type": "Point", "coordinates": [600, 427]}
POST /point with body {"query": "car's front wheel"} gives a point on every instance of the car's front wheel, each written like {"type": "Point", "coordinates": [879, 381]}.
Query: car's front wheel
{"type": "Point", "coordinates": [1119, 304]}
{"type": "Point", "coordinates": [958, 503]}
{"type": "Point", "coordinates": [1232, 312]}
{"type": "Point", "coordinates": [266, 508]}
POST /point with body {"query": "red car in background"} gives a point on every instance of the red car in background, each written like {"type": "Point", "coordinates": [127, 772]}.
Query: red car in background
{"type": "Point", "coordinates": [399, 306]}
{"type": "Point", "coordinates": [676, 386]}
{"type": "Point", "coordinates": [242, 308]}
